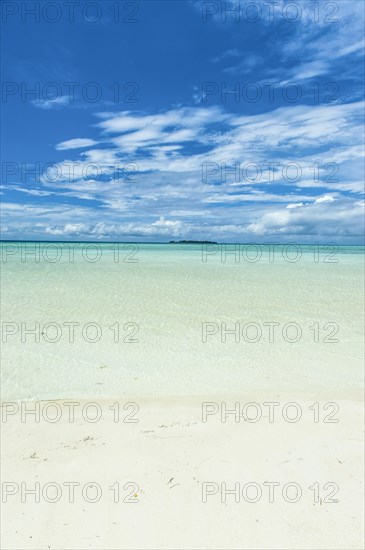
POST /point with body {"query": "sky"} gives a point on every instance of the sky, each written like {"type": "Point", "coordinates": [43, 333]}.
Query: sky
{"type": "Point", "coordinates": [157, 120]}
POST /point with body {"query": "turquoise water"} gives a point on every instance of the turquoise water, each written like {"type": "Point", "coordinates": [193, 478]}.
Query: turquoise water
{"type": "Point", "coordinates": [159, 301]}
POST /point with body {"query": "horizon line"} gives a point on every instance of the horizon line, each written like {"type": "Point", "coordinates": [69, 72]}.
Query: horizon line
{"type": "Point", "coordinates": [332, 243]}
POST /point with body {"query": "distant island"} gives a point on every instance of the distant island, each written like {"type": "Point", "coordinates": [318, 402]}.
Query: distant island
{"type": "Point", "coordinates": [193, 242]}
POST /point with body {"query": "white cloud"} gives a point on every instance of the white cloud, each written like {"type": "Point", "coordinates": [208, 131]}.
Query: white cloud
{"type": "Point", "coordinates": [295, 205]}
{"type": "Point", "coordinates": [53, 103]}
{"type": "Point", "coordinates": [70, 229]}
{"type": "Point", "coordinates": [100, 230]}
{"type": "Point", "coordinates": [227, 54]}
{"type": "Point", "coordinates": [316, 31]}
{"type": "Point", "coordinates": [345, 219]}
{"type": "Point", "coordinates": [167, 196]}
{"type": "Point", "coordinates": [75, 143]}
{"type": "Point", "coordinates": [325, 198]}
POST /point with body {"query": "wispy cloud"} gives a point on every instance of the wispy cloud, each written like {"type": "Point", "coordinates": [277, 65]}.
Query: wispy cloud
{"type": "Point", "coordinates": [54, 103]}
{"type": "Point", "coordinates": [75, 143]}
{"type": "Point", "coordinates": [305, 50]}
{"type": "Point", "coordinates": [169, 149]}
{"type": "Point", "coordinates": [143, 172]}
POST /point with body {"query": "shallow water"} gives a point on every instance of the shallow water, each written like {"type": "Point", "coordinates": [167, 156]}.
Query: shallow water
{"type": "Point", "coordinates": [170, 307]}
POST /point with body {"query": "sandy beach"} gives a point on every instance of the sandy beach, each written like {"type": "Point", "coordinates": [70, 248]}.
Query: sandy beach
{"type": "Point", "coordinates": [199, 427]}
{"type": "Point", "coordinates": [151, 473]}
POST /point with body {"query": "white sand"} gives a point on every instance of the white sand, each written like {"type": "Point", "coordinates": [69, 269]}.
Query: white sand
{"type": "Point", "coordinates": [169, 454]}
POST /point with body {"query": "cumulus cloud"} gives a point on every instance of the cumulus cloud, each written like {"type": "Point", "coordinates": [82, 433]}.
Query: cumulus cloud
{"type": "Point", "coordinates": [325, 198]}
{"type": "Point", "coordinates": [316, 219]}
{"type": "Point", "coordinates": [101, 230]}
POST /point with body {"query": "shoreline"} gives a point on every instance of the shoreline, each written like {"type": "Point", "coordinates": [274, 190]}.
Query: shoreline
{"type": "Point", "coordinates": [305, 395]}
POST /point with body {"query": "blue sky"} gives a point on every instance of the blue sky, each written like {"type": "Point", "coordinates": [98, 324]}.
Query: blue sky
{"type": "Point", "coordinates": [183, 120]}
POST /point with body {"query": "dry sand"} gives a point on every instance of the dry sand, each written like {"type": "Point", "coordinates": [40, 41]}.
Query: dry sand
{"type": "Point", "coordinates": [162, 465]}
